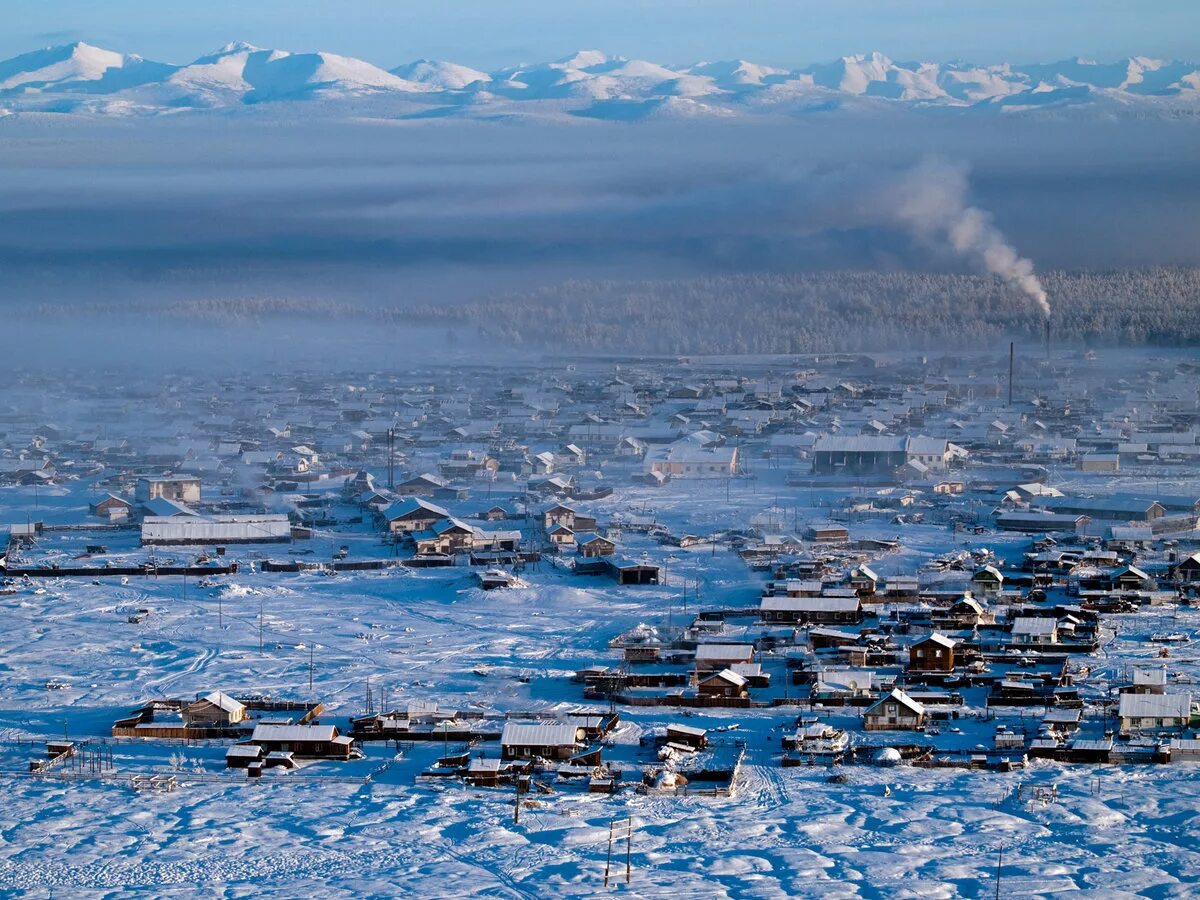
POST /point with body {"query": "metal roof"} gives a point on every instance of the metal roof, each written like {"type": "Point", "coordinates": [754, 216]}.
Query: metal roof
{"type": "Point", "coordinates": [724, 651]}
{"type": "Point", "coordinates": [293, 733]}
{"type": "Point", "coordinates": [526, 734]}
{"type": "Point", "coordinates": [223, 701]}
{"type": "Point", "coordinates": [1034, 625]}
{"type": "Point", "coordinates": [216, 529]}
{"type": "Point", "coordinates": [811, 604]}
{"type": "Point", "coordinates": [1155, 706]}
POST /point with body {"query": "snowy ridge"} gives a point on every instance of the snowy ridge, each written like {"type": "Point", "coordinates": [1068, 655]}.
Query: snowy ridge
{"type": "Point", "coordinates": [81, 78]}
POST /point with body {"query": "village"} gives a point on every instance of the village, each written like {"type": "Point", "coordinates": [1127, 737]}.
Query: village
{"type": "Point", "coordinates": [603, 580]}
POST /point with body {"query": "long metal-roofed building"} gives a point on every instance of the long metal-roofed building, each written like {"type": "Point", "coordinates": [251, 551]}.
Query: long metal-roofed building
{"type": "Point", "coordinates": [254, 529]}
{"type": "Point", "coordinates": [877, 454]}
{"type": "Point", "coordinates": [1117, 509]}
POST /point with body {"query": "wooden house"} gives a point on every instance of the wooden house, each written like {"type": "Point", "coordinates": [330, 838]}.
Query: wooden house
{"type": "Point", "coordinates": [303, 741]}
{"type": "Point", "coordinates": [112, 508]}
{"type": "Point", "coordinates": [413, 514]}
{"type": "Point", "coordinates": [1187, 571]}
{"type": "Point", "coordinates": [687, 736]}
{"type": "Point", "coordinates": [526, 740]}
{"type": "Point", "coordinates": [1154, 712]}
{"type": "Point", "coordinates": [420, 486]}
{"type": "Point", "coordinates": [1031, 630]}
{"type": "Point", "coordinates": [987, 582]}
{"type": "Point", "coordinates": [932, 654]}
{"type": "Point", "coordinates": [561, 536]}
{"type": "Point", "coordinates": [725, 683]}
{"type": "Point", "coordinates": [824, 610]}
{"type": "Point", "coordinates": [215, 710]}
{"type": "Point", "coordinates": [895, 712]}
{"type": "Point", "coordinates": [712, 657]}
{"type": "Point", "coordinates": [864, 581]}
{"type": "Point", "coordinates": [448, 535]}
{"type": "Point", "coordinates": [593, 545]}
{"type": "Point", "coordinates": [181, 489]}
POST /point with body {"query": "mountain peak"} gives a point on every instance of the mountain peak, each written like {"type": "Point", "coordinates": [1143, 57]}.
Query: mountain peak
{"type": "Point", "coordinates": [585, 59]}
{"type": "Point", "coordinates": [82, 77]}
{"type": "Point", "coordinates": [237, 47]}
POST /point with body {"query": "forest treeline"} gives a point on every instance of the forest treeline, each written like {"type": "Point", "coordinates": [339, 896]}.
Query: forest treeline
{"type": "Point", "coordinates": [766, 313]}
{"type": "Point", "coordinates": [835, 311]}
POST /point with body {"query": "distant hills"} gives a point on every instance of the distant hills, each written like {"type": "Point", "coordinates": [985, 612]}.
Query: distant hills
{"type": "Point", "coordinates": [85, 80]}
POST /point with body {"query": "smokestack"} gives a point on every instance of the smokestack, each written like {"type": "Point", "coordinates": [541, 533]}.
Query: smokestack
{"type": "Point", "coordinates": [1047, 339]}
{"type": "Point", "coordinates": [1011, 351]}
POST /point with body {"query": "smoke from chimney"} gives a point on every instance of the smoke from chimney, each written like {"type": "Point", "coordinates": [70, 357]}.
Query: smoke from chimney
{"type": "Point", "coordinates": [931, 201]}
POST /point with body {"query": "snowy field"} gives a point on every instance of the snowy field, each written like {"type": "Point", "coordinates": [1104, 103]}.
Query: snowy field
{"type": "Point", "coordinates": [328, 830]}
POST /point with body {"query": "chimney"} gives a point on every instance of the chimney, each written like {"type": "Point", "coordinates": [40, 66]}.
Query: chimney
{"type": "Point", "coordinates": [1011, 351]}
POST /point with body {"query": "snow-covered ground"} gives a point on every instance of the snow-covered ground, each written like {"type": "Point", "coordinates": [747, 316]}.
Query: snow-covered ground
{"type": "Point", "coordinates": [329, 830]}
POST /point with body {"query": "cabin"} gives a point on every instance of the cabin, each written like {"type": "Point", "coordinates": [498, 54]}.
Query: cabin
{"type": "Point", "coordinates": [413, 514]}
{"type": "Point", "coordinates": [243, 756]}
{"type": "Point", "coordinates": [215, 710]}
{"type": "Point", "coordinates": [181, 489]}
{"type": "Point", "coordinates": [932, 654]}
{"type": "Point", "coordinates": [965, 612]}
{"type": "Point", "coordinates": [1100, 462]}
{"type": "Point", "coordinates": [1154, 712]}
{"type": "Point", "coordinates": [691, 459]}
{"type": "Point", "coordinates": [1187, 571]}
{"type": "Point", "coordinates": [445, 536]}
{"type": "Point", "coordinates": [1130, 578]}
{"type": "Point", "coordinates": [561, 537]}
{"type": "Point", "coordinates": [592, 545]}
{"type": "Point", "coordinates": [628, 571]}
{"type": "Point", "coordinates": [687, 736]}
{"type": "Point", "coordinates": [420, 486]}
{"type": "Point", "coordinates": [864, 581]}
{"type": "Point", "coordinates": [724, 684]}
{"type": "Point", "coordinates": [844, 685]}
{"type": "Point", "coordinates": [570, 455]}
{"type": "Point", "coordinates": [1147, 680]}
{"type": "Point", "coordinates": [811, 610]}
{"type": "Point", "coordinates": [710, 657]}
{"type": "Point", "coordinates": [311, 741]}
{"type": "Point", "coordinates": [566, 516]}
{"type": "Point", "coordinates": [1030, 630]}
{"type": "Point", "coordinates": [987, 582]}
{"type": "Point", "coordinates": [112, 507]}
{"type": "Point", "coordinates": [828, 534]}
{"type": "Point", "coordinates": [528, 740]}
{"type": "Point", "coordinates": [895, 712]}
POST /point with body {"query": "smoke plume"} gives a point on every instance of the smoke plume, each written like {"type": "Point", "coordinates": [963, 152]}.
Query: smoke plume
{"type": "Point", "coordinates": [931, 200]}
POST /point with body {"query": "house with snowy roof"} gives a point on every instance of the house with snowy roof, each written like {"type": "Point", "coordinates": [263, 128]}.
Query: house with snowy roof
{"type": "Point", "coordinates": [895, 712]}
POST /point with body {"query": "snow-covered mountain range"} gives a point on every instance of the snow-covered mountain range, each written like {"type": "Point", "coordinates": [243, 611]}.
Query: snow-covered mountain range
{"type": "Point", "coordinates": [83, 79]}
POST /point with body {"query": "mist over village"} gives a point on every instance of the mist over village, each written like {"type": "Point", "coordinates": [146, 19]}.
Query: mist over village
{"type": "Point", "coordinates": [759, 457]}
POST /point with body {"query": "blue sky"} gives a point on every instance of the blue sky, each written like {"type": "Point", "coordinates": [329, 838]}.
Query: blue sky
{"type": "Point", "coordinates": [492, 33]}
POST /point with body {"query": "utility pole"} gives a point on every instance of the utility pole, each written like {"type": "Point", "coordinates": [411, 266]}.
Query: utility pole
{"type": "Point", "coordinates": [310, 669]}
{"type": "Point", "coordinates": [1011, 351]}
{"type": "Point", "coordinates": [517, 801]}
{"type": "Point", "coordinates": [260, 625]}
{"type": "Point", "coordinates": [391, 439]}
{"type": "Point", "coordinates": [608, 862]}
{"type": "Point", "coordinates": [999, 863]}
